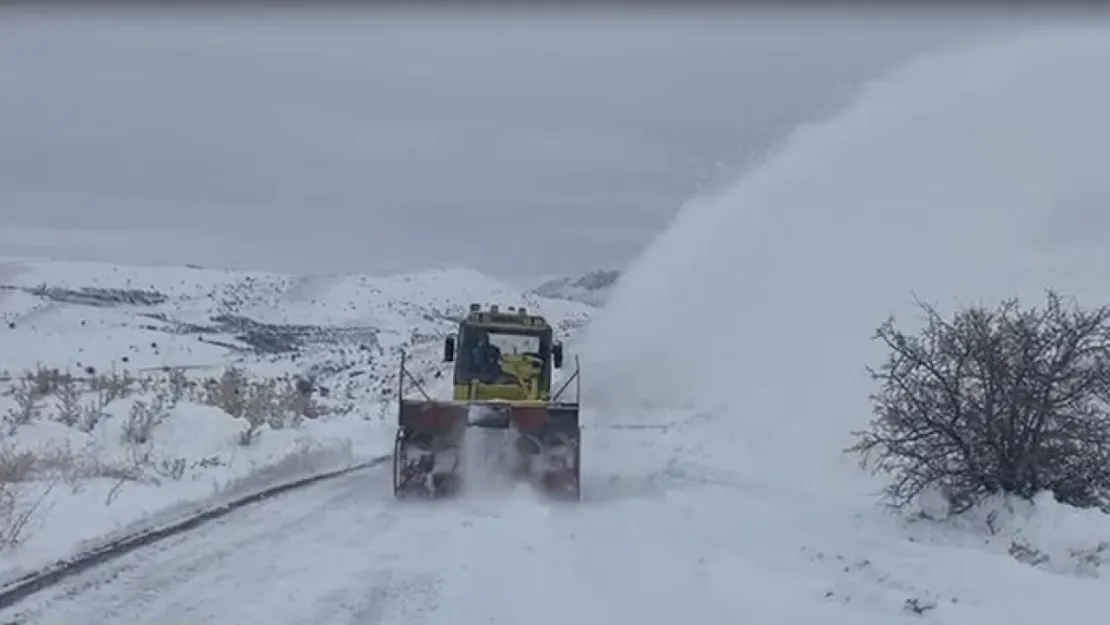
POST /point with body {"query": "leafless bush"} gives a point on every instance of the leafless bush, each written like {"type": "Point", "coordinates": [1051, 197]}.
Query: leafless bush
{"type": "Point", "coordinates": [260, 409]}
{"type": "Point", "coordinates": [45, 381]}
{"type": "Point", "coordinates": [171, 468]}
{"type": "Point", "coordinates": [56, 463]}
{"type": "Point", "coordinates": [69, 393]}
{"type": "Point", "coordinates": [28, 405]}
{"type": "Point", "coordinates": [16, 508]}
{"type": "Point", "coordinates": [178, 385]}
{"type": "Point", "coordinates": [277, 402]}
{"type": "Point", "coordinates": [228, 392]}
{"type": "Point", "coordinates": [1089, 560]}
{"type": "Point", "coordinates": [53, 462]}
{"type": "Point", "coordinates": [111, 496]}
{"type": "Point", "coordinates": [81, 402]}
{"type": "Point", "coordinates": [15, 466]}
{"type": "Point", "coordinates": [93, 412]}
{"type": "Point", "coordinates": [16, 513]}
{"type": "Point", "coordinates": [1009, 400]}
{"type": "Point", "coordinates": [274, 402]}
{"type": "Point", "coordinates": [74, 406]}
{"type": "Point", "coordinates": [132, 470]}
{"type": "Point", "coordinates": [210, 461]}
{"type": "Point", "coordinates": [249, 434]}
{"type": "Point", "coordinates": [1022, 551]}
{"type": "Point", "coordinates": [114, 385]}
{"type": "Point", "coordinates": [300, 400]}
{"type": "Point", "coordinates": [143, 418]}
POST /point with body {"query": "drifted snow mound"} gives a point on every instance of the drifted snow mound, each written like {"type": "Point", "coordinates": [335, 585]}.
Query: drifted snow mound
{"type": "Point", "coordinates": [967, 175]}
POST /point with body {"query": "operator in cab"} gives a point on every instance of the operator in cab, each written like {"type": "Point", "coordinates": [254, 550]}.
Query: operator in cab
{"type": "Point", "coordinates": [487, 360]}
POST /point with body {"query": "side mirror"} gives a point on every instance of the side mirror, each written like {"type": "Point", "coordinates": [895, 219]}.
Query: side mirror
{"type": "Point", "coordinates": [557, 355]}
{"type": "Point", "coordinates": [449, 349]}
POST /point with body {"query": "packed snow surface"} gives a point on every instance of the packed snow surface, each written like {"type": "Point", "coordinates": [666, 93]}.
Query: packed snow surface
{"type": "Point", "coordinates": [723, 378]}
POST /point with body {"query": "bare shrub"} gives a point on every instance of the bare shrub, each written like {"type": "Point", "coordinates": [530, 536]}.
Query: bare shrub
{"type": "Point", "coordinates": [114, 385]}
{"type": "Point", "coordinates": [28, 405]}
{"type": "Point", "coordinates": [16, 508]}
{"type": "Point", "coordinates": [178, 385]}
{"type": "Point", "coordinates": [57, 462]}
{"type": "Point", "coordinates": [228, 392]}
{"type": "Point", "coordinates": [278, 403]}
{"type": "Point", "coordinates": [16, 513]}
{"type": "Point", "coordinates": [111, 496]}
{"type": "Point", "coordinates": [248, 435]}
{"type": "Point", "coordinates": [69, 393]}
{"type": "Point", "coordinates": [299, 401]}
{"type": "Point", "coordinates": [1010, 400]}
{"type": "Point", "coordinates": [1022, 551]}
{"type": "Point", "coordinates": [130, 471]}
{"type": "Point", "coordinates": [171, 468]}
{"type": "Point", "coordinates": [258, 410]}
{"type": "Point", "coordinates": [16, 466]}
{"type": "Point", "coordinates": [45, 381]}
{"type": "Point", "coordinates": [93, 412]}
{"type": "Point", "coordinates": [143, 418]}
{"type": "Point", "coordinates": [94, 467]}
{"type": "Point", "coordinates": [209, 462]}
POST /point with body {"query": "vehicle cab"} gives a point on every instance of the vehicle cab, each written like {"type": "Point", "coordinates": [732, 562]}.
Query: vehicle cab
{"type": "Point", "coordinates": [500, 354]}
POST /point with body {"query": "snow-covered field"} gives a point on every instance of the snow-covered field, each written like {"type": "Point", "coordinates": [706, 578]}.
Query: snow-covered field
{"type": "Point", "coordinates": [722, 378]}
{"type": "Point", "coordinates": [142, 431]}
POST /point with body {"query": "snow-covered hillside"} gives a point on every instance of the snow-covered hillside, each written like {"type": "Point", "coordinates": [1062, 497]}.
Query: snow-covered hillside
{"type": "Point", "coordinates": [120, 381]}
{"type": "Point", "coordinates": [591, 288]}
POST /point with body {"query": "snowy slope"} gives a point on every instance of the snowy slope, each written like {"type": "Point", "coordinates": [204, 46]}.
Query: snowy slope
{"type": "Point", "coordinates": [589, 288]}
{"type": "Point", "coordinates": [344, 333]}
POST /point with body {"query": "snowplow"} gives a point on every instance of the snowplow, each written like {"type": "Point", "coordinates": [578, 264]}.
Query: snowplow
{"type": "Point", "coordinates": [501, 413]}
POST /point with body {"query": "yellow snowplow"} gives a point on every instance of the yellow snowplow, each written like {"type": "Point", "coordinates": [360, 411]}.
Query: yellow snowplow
{"type": "Point", "coordinates": [503, 369]}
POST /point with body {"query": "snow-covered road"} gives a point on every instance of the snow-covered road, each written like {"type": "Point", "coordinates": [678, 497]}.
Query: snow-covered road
{"type": "Point", "coordinates": [659, 538]}
{"type": "Point", "coordinates": [345, 552]}
{"type": "Point", "coordinates": [327, 554]}
{"type": "Point", "coordinates": [342, 553]}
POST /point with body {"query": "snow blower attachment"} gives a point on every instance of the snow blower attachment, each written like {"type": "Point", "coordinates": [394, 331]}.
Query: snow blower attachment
{"type": "Point", "coordinates": [502, 387]}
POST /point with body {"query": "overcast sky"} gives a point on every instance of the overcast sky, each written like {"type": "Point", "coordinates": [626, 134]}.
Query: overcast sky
{"type": "Point", "coordinates": [519, 145]}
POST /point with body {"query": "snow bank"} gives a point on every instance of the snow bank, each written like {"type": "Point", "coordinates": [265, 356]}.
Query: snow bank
{"type": "Point", "coordinates": [96, 484]}
{"type": "Point", "coordinates": [1042, 533]}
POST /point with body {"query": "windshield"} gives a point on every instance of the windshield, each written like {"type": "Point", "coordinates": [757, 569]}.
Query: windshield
{"type": "Point", "coordinates": [503, 357]}
{"type": "Point", "coordinates": [510, 344]}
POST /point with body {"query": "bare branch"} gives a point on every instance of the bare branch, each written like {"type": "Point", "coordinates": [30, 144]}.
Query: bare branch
{"type": "Point", "coordinates": [1006, 400]}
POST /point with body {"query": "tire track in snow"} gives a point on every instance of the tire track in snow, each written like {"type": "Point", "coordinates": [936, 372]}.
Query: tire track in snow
{"type": "Point", "coordinates": [256, 565]}
{"type": "Point", "coordinates": [346, 553]}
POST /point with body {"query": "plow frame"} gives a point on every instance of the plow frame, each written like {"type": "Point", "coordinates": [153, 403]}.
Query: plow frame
{"type": "Point", "coordinates": [438, 425]}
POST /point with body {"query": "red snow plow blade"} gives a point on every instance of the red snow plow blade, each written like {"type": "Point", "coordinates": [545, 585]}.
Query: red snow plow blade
{"type": "Point", "coordinates": [540, 443]}
{"type": "Point", "coordinates": [543, 442]}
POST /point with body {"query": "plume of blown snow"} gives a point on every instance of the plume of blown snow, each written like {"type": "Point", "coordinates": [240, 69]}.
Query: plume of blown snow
{"type": "Point", "coordinates": [966, 176]}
